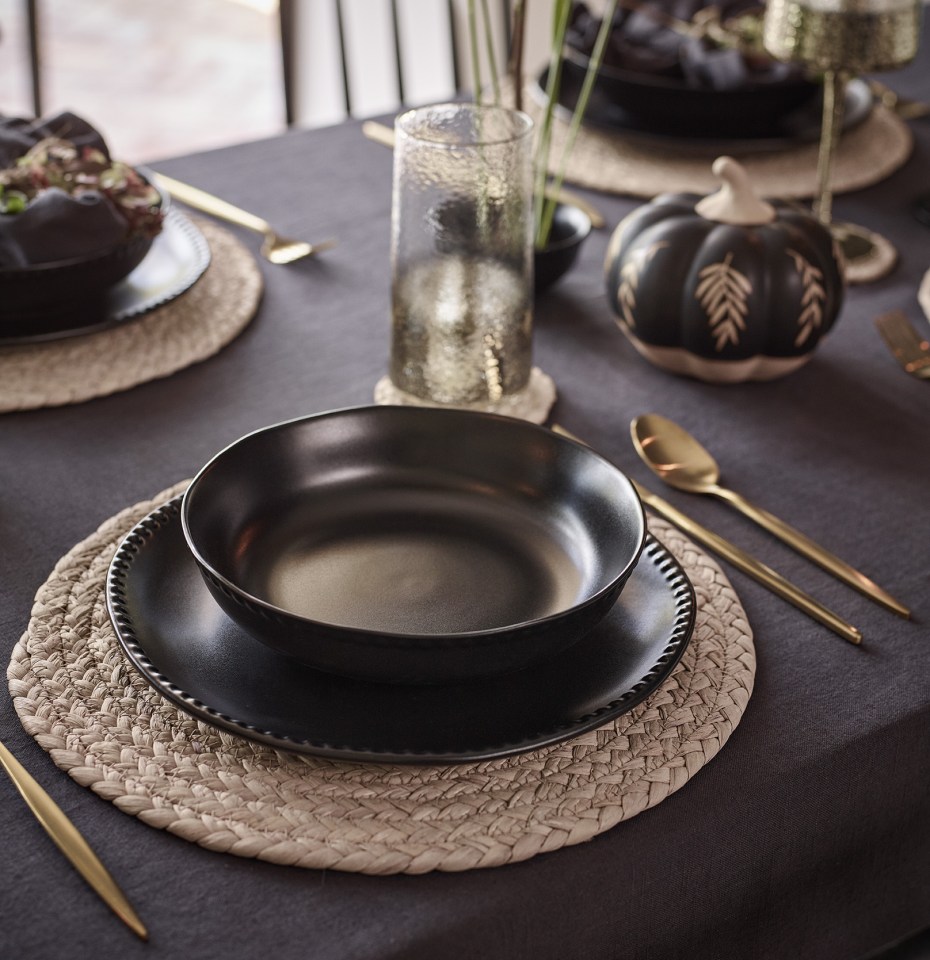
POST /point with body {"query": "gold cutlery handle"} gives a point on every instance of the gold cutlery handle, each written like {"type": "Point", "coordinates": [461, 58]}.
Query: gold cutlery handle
{"type": "Point", "coordinates": [742, 560]}
{"type": "Point", "coordinates": [70, 842]}
{"type": "Point", "coordinates": [749, 565]}
{"type": "Point", "coordinates": [207, 203]}
{"type": "Point", "coordinates": [379, 133]}
{"type": "Point", "coordinates": [813, 551]}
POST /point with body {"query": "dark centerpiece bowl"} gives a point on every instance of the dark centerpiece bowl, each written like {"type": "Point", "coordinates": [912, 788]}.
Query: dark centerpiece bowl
{"type": "Point", "coordinates": [670, 105]}
{"type": "Point", "coordinates": [43, 288]}
{"type": "Point", "coordinates": [570, 227]}
{"type": "Point", "coordinates": [404, 544]}
{"type": "Point", "coordinates": [72, 226]}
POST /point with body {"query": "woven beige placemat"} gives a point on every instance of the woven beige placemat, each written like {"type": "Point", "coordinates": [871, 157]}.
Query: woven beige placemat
{"type": "Point", "coordinates": [614, 163]}
{"type": "Point", "coordinates": [76, 693]}
{"type": "Point", "coordinates": [195, 326]}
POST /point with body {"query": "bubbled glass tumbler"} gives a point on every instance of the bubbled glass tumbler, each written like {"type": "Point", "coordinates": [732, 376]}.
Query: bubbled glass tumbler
{"type": "Point", "coordinates": [461, 254]}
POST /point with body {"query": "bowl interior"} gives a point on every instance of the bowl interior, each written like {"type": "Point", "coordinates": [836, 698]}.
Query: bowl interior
{"type": "Point", "coordinates": [413, 522]}
{"type": "Point", "coordinates": [570, 226]}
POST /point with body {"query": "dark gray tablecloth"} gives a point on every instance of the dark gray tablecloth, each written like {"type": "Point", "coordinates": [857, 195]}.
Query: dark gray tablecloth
{"type": "Point", "coordinates": [808, 836]}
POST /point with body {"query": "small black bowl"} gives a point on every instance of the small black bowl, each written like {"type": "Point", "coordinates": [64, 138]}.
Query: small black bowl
{"type": "Point", "coordinates": [413, 545]}
{"type": "Point", "coordinates": [570, 227]}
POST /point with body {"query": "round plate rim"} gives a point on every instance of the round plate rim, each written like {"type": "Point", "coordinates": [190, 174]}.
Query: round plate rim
{"type": "Point", "coordinates": [169, 513]}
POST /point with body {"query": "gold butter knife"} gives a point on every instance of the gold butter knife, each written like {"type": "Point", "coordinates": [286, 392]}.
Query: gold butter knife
{"type": "Point", "coordinates": [379, 133]}
{"type": "Point", "coordinates": [742, 560]}
{"type": "Point", "coordinates": [70, 842]}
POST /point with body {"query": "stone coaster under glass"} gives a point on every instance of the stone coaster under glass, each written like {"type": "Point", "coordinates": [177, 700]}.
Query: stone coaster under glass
{"type": "Point", "coordinates": [532, 403]}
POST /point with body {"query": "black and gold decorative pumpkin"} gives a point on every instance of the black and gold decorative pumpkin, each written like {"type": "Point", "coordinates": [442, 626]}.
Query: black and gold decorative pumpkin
{"type": "Point", "coordinates": [726, 288]}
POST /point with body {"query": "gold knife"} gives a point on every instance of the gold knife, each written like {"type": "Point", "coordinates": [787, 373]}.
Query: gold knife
{"type": "Point", "coordinates": [742, 560]}
{"type": "Point", "coordinates": [379, 133]}
{"type": "Point", "coordinates": [70, 842]}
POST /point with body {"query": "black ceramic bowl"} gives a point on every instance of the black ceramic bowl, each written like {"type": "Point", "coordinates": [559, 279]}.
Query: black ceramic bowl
{"type": "Point", "coordinates": [45, 297]}
{"type": "Point", "coordinates": [414, 545]}
{"type": "Point", "coordinates": [668, 106]}
{"type": "Point", "coordinates": [570, 228]}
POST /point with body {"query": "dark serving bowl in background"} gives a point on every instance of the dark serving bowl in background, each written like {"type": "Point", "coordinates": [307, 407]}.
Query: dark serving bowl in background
{"type": "Point", "coordinates": [51, 296]}
{"type": "Point", "coordinates": [668, 105]}
{"type": "Point", "coordinates": [417, 545]}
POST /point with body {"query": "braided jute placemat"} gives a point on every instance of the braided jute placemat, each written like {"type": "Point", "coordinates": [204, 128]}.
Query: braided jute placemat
{"type": "Point", "coordinates": [77, 694]}
{"type": "Point", "coordinates": [195, 326]}
{"type": "Point", "coordinates": [616, 163]}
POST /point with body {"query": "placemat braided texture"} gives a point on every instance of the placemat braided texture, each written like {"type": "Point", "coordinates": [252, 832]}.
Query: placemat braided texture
{"type": "Point", "coordinates": [618, 163]}
{"type": "Point", "coordinates": [77, 695]}
{"type": "Point", "coordinates": [196, 325]}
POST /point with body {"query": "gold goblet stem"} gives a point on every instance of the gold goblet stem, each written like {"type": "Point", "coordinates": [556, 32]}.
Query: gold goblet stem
{"type": "Point", "coordinates": [834, 102]}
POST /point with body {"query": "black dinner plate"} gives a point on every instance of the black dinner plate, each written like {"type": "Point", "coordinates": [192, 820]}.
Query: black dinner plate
{"type": "Point", "coordinates": [801, 125]}
{"type": "Point", "coordinates": [189, 650]}
{"type": "Point", "coordinates": [177, 259]}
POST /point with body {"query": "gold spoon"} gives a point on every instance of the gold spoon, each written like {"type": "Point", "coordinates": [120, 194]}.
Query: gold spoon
{"type": "Point", "coordinates": [679, 459]}
{"type": "Point", "coordinates": [740, 559]}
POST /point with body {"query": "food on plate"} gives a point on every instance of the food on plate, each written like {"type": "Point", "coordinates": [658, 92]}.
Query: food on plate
{"type": "Point", "coordinates": [62, 196]}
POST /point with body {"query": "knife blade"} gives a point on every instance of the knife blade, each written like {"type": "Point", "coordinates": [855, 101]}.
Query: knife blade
{"type": "Point", "coordinates": [67, 838]}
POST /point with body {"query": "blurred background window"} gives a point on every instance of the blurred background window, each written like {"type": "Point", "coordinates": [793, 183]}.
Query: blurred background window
{"type": "Point", "coordinates": [159, 77]}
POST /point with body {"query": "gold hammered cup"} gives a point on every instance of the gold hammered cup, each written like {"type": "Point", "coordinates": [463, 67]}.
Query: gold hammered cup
{"type": "Point", "coordinates": [842, 38]}
{"type": "Point", "coordinates": [462, 263]}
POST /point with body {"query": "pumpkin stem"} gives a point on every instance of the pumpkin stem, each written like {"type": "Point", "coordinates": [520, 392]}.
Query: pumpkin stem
{"type": "Point", "coordinates": [736, 201]}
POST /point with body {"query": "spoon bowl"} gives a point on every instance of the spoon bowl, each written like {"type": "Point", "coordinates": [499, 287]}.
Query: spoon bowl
{"type": "Point", "coordinates": [675, 455]}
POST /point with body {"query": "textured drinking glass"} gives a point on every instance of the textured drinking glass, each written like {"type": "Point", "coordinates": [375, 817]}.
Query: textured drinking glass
{"type": "Point", "coordinates": [461, 253]}
{"type": "Point", "coordinates": [857, 36]}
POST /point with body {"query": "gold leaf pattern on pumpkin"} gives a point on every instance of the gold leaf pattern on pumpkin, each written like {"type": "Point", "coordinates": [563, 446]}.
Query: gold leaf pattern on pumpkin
{"type": "Point", "coordinates": [629, 278]}
{"type": "Point", "coordinates": [722, 291]}
{"type": "Point", "coordinates": [811, 315]}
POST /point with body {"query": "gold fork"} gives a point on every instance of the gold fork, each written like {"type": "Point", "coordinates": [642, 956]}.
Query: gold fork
{"type": "Point", "coordinates": [909, 349]}
{"type": "Point", "coordinates": [275, 248]}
